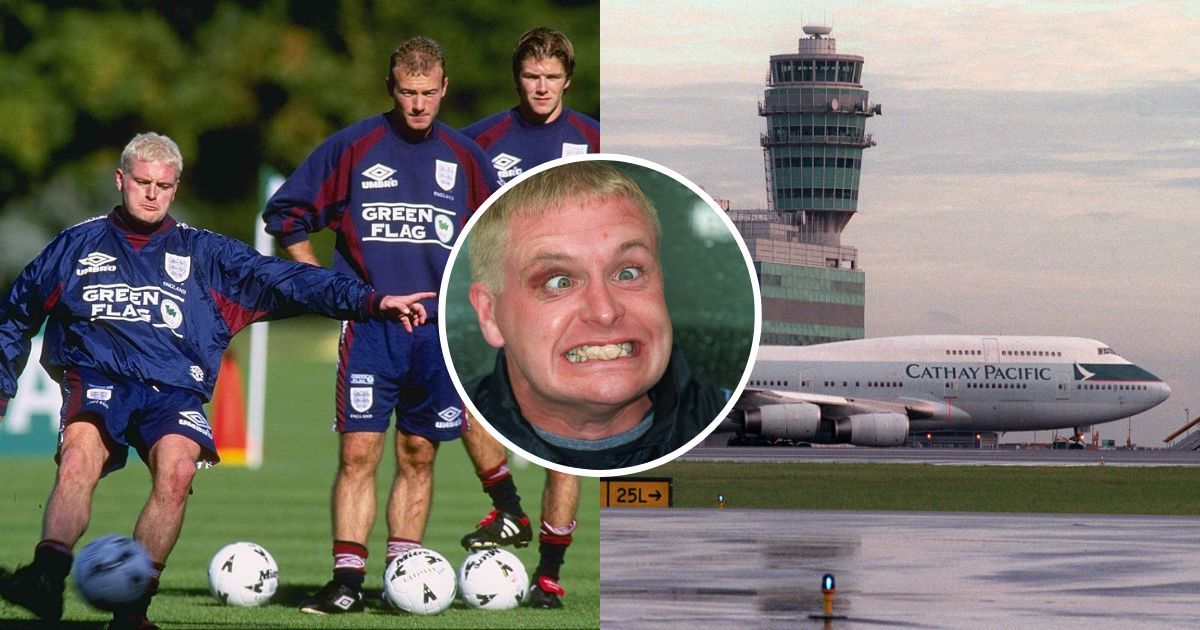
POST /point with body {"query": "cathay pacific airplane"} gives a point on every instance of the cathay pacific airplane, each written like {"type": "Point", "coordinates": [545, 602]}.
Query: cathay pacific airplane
{"type": "Point", "coordinates": [872, 392]}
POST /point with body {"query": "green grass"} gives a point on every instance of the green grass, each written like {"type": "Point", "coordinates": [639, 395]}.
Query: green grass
{"type": "Point", "coordinates": [284, 507]}
{"type": "Point", "coordinates": [909, 487]}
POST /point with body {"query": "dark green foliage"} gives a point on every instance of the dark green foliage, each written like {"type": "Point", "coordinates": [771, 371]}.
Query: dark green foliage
{"type": "Point", "coordinates": [236, 84]}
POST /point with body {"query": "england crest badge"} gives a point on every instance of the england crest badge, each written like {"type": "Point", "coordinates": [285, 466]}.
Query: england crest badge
{"type": "Point", "coordinates": [569, 149]}
{"type": "Point", "coordinates": [361, 398]}
{"type": "Point", "coordinates": [445, 174]}
{"type": "Point", "coordinates": [178, 267]}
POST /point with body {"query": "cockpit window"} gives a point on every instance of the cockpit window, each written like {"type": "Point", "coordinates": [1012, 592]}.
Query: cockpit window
{"type": "Point", "coordinates": [1103, 350]}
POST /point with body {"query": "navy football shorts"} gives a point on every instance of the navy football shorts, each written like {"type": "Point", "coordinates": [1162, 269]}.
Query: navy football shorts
{"type": "Point", "coordinates": [383, 369]}
{"type": "Point", "coordinates": [134, 413]}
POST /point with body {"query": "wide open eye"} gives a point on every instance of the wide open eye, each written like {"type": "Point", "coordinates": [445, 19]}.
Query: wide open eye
{"type": "Point", "coordinates": [558, 283]}
{"type": "Point", "coordinates": [628, 273]}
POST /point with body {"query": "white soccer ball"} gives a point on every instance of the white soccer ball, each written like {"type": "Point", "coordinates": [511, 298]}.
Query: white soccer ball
{"type": "Point", "coordinates": [243, 574]}
{"type": "Point", "coordinates": [492, 579]}
{"type": "Point", "coordinates": [420, 581]}
{"type": "Point", "coordinates": [112, 570]}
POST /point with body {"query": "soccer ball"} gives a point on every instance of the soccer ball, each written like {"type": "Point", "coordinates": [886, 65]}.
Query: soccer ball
{"type": "Point", "coordinates": [243, 574]}
{"type": "Point", "coordinates": [420, 581]}
{"type": "Point", "coordinates": [112, 570]}
{"type": "Point", "coordinates": [492, 579]}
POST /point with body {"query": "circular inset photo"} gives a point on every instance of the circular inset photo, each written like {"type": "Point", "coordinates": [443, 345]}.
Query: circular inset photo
{"type": "Point", "coordinates": [600, 315]}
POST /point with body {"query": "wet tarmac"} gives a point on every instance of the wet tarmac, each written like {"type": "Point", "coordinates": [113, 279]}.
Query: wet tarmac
{"type": "Point", "coordinates": [762, 569]}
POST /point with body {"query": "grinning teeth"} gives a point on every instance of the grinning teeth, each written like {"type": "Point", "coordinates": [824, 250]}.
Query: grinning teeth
{"type": "Point", "coordinates": [600, 353]}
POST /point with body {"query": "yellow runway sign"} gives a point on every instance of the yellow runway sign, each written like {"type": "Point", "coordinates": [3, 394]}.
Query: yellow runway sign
{"type": "Point", "coordinates": [635, 492]}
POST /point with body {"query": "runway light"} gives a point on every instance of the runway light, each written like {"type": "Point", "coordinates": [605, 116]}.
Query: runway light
{"type": "Point", "coordinates": [720, 501]}
{"type": "Point", "coordinates": [828, 589]}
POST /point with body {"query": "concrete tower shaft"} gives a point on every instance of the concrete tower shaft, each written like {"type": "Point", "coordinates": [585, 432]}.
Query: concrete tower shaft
{"type": "Point", "coordinates": [816, 111]}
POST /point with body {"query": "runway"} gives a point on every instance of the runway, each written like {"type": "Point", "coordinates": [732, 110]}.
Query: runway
{"type": "Point", "coordinates": [762, 568]}
{"type": "Point", "coordinates": [946, 456]}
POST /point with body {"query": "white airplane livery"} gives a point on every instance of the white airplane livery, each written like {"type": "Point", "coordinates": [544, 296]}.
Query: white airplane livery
{"type": "Point", "coordinates": [872, 392]}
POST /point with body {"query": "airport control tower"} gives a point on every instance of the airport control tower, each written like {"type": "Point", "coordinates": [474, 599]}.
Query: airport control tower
{"type": "Point", "coordinates": [816, 111]}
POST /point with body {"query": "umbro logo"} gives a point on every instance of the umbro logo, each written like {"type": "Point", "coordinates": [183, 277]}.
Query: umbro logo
{"type": "Point", "coordinates": [506, 166]}
{"type": "Point", "coordinates": [451, 417]}
{"type": "Point", "coordinates": [96, 262]}
{"type": "Point", "coordinates": [95, 259]}
{"type": "Point", "coordinates": [505, 161]}
{"type": "Point", "coordinates": [195, 420]}
{"type": "Point", "coordinates": [380, 177]}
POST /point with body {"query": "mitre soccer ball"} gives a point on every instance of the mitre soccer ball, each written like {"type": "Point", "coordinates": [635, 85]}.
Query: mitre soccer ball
{"type": "Point", "coordinates": [112, 570]}
{"type": "Point", "coordinates": [492, 579]}
{"type": "Point", "coordinates": [419, 581]}
{"type": "Point", "coordinates": [243, 574]}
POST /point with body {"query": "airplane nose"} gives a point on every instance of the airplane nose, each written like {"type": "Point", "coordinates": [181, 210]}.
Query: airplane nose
{"type": "Point", "coordinates": [1163, 390]}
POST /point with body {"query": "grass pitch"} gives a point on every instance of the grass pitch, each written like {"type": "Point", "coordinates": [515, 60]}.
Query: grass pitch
{"type": "Point", "coordinates": [284, 506]}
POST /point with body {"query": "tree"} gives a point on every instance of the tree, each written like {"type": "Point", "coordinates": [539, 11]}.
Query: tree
{"type": "Point", "coordinates": [238, 84]}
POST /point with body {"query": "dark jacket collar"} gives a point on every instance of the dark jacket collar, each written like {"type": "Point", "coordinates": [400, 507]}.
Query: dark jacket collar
{"type": "Point", "coordinates": [682, 407]}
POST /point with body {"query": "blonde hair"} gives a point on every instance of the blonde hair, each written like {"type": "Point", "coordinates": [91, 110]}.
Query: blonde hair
{"type": "Point", "coordinates": [152, 147]}
{"type": "Point", "coordinates": [544, 192]}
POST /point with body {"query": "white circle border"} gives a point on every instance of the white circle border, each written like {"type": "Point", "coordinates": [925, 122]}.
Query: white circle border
{"type": "Point", "coordinates": [460, 245]}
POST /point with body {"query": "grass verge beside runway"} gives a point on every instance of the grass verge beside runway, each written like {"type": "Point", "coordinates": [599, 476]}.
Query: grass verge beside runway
{"type": "Point", "coordinates": [908, 487]}
{"type": "Point", "coordinates": [284, 506]}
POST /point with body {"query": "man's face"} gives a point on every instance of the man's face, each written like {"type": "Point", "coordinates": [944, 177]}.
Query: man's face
{"type": "Point", "coordinates": [582, 316]}
{"type": "Point", "coordinates": [418, 97]}
{"type": "Point", "coordinates": [541, 84]}
{"type": "Point", "coordinates": [147, 191]}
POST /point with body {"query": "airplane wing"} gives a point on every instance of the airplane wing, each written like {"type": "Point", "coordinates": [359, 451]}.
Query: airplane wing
{"type": "Point", "coordinates": [752, 397]}
{"type": "Point", "coordinates": [838, 406]}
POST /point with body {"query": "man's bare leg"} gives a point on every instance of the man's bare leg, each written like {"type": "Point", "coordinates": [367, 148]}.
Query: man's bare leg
{"type": "Point", "coordinates": [69, 508]}
{"type": "Point", "coordinates": [560, 499]}
{"type": "Point", "coordinates": [172, 462]}
{"type": "Point", "coordinates": [172, 467]}
{"type": "Point", "coordinates": [353, 513]}
{"type": "Point", "coordinates": [412, 492]}
{"type": "Point", "coordinates": [486, 452]}
{"type": "Point", "coordinates": [354, 486]}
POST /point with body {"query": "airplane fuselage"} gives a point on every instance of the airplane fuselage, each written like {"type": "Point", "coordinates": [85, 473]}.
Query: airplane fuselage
{"type": "Point", "coordinates": [968, 383]}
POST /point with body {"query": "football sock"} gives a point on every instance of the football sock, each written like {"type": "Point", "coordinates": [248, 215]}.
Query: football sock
{"type": "Point", "coordinates": [156, 569]}
{"type": "Point", "coordinates": [53, 558]}
{"type": "Point", "coordinates": [499, 485]}
{"type": "Point", "coordinates": [349, 564]}
{"type": "Point", "coordinates": [552, 546]}
{"type": "Point", "coordinates": [400, 546]}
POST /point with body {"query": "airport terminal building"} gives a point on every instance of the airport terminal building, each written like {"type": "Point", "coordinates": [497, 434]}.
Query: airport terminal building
{"type": "Point", "coordinates": [816, 111]}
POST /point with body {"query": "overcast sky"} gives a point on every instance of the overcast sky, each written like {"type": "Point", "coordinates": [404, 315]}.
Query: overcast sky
{"type": "Point", "coordinates": [1037, 169]}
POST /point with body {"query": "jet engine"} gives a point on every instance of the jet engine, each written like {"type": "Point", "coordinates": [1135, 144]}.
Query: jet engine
{"type": "Point", "coordinates": [873, 429]}
{"type": "Point", "coordinates": [791, 421]}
